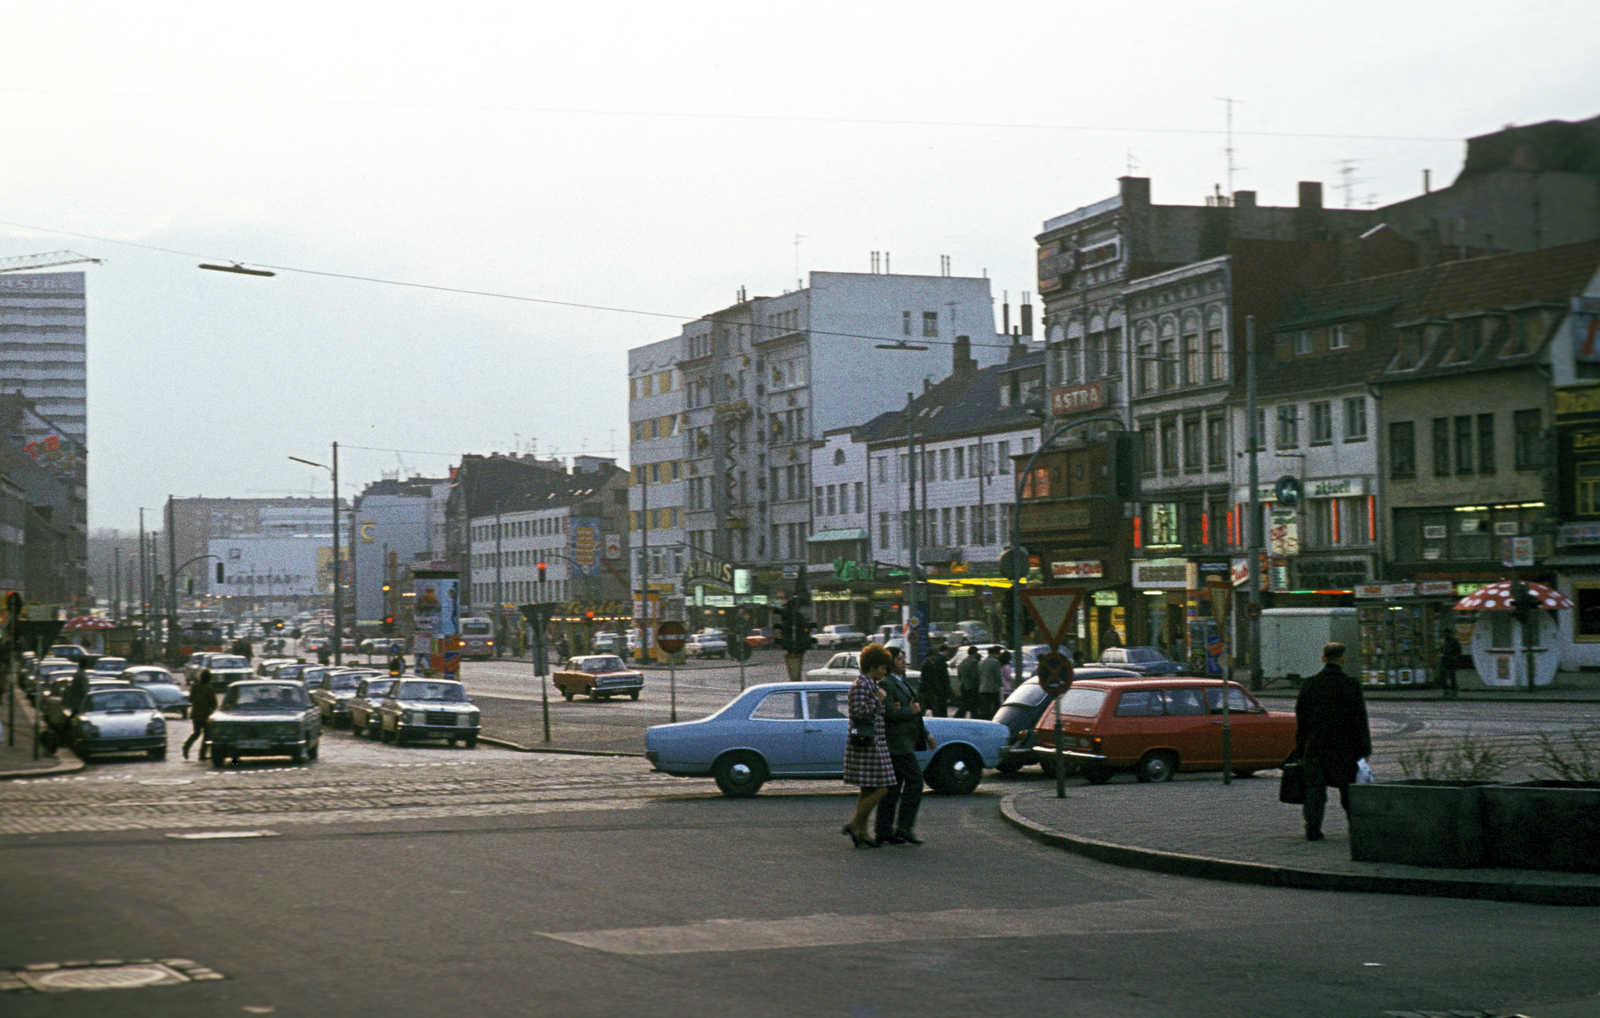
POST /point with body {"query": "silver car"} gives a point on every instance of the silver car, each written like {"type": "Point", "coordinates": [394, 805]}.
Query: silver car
{"type": "Point", "coordinates": [161, 685]}
{"type": "Point", "coordinates": [428, 709]}
{"type": "Point", "coordinates": [121, 719]}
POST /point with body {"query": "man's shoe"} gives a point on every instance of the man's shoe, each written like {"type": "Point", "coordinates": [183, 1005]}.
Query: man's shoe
{"type": "Point", "coordinates": [892, 838]}
{"type": "Point", "coordinates": [907, 838]}
{"type": "Point", "coordinates": [1313, 834]}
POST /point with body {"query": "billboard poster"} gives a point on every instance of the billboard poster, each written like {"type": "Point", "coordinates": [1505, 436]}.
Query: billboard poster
{"type": "Point", "coordinates": [587, 545]}
{"type": "Point", "coordinates": [267, 566]}
{"type": "Point", "coordinates": [437, 611]}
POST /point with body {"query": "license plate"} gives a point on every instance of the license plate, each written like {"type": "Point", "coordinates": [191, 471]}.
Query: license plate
{"type": "Point", "coordinates": [254, 743]}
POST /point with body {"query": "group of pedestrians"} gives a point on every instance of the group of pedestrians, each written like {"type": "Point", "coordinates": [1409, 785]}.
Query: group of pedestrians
{"type": "Point", "coordinates": [982, 682]}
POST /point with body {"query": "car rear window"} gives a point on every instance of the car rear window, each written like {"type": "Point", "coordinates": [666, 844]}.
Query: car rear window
{"type": "Point", "coordinates": [1082, 702]}
{"type": "Point", "coordinates": [1237, 700]}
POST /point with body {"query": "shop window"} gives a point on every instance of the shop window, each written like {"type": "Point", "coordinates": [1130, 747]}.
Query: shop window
{"type": "Point", "coordinates": [1586, 620]}
{"type": "Point", "coordinates": [1402, 449]}
{"type": "Point", "coordinates": [1587, 488]}
{"type": "Point", "coordinates": [1163, 524]}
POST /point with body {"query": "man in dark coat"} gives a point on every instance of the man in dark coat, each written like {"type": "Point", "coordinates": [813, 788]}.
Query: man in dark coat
{"type": "Point", "coordinates": [936, 683]}
{"type": "Point", "coordinates": [1449, 661]}
{"type": "Point", "coordinates": [1331, 735]}
{"type": "Point", "coordinates": [902, 730]}
{"type": "Point", "coordinates": [967, 679]}
{"type": "Point", "coordinates": [202, 704]}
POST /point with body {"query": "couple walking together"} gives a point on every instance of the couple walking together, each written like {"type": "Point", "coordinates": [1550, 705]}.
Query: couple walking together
{"type": "Point", "coordinates": [886, 733]}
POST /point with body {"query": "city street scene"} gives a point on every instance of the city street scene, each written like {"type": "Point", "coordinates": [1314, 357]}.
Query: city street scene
{"type": "Point", "coordinates": [1101, 533]}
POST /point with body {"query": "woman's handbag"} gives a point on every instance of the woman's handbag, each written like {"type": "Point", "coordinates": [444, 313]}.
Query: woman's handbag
{"type": "Point", "coordinates": [863, 733]}
{"type": "Point", "coordinates": [1292, 787]}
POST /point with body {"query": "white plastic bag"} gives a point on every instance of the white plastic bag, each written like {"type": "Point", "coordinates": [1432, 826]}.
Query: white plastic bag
{"type": "Point", "coordinates": [1364, 772]}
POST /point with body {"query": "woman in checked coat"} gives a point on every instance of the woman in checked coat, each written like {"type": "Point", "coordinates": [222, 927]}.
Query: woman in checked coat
{"type": "Point", "coordinates": [868, 766]}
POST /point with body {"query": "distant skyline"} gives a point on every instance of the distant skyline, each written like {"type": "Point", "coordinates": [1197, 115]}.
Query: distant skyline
{"type": "Point", "coordinates": [656, 163]}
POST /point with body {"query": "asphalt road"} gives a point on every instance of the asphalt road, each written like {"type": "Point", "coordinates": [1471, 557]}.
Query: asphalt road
{"type": "Point", "coordinates": [482, 885]}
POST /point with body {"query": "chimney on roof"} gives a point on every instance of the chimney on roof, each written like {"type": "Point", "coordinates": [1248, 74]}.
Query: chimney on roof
{"type": "Point", "coordinates": [1311, 194]}
{"type": "Point", "coordinates": [1005, 313]}
{"type": "Point", "coordinates": [1134, 190]}
{"type": "Point", "coordinates": [962, 362]}
{"type": "Point", "coordinates": [1244, 199]}
{"type": "Point", "coordinates": [1027, 315]}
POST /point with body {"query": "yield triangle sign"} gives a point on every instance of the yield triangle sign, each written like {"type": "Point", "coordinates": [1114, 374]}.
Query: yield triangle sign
{"type": "Point", "coordinates": [1053, 608]}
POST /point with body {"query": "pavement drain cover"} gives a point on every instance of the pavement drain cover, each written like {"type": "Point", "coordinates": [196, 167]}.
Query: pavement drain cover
{"type": "Point", "coordinates": [112, 974]}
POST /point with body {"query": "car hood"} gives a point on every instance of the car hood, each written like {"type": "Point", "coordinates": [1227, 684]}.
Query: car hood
{"type": "Point", "coordinates": [454, 705]}
{"type": "Point", "coordinates": [291, 714]}
{"type": "Point", "coordinates": [164, 692]}
{"type": "Point", "coordinates": [120, 723]}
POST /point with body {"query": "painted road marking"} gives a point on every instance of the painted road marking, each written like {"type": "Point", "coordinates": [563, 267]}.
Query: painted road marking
{"type": "Point", "coordinates": [213, 835]}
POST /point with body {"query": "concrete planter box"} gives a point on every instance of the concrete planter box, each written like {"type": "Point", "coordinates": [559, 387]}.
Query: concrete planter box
{"type": "Point", "coordinates": [1418, 823]}
{"type": "Point", "coordinates": [1543, 825]}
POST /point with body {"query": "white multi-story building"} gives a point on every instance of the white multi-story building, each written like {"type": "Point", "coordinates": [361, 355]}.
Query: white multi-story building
{"type": "Point", "coordinates": [752, 386]}
{"type": "Point", "coordinates": [43, 343]}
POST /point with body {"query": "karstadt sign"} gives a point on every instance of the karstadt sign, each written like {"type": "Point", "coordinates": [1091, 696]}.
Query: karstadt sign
{"type": "Point", "coordinates": [266, 566]}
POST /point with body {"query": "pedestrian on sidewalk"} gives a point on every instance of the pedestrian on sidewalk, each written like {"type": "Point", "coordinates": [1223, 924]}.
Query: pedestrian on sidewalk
{"type": "Point", "coordinates": [202, 704]}
{"type": "Point", "coordinates": [866, 756]}
{"type": "Point", "coordinates": [397, 664]}
{"type": "Point", "coordinates": [990, 672]}
{"type": "Point", "coordinates": [1331, 736]}
{"type": "Point", "coordinates": [1007, 677]}
{"type": "Point", "coordinates": [904, 735]}
{"type": "Point", "coordinates": [935, 684]}
{"type": "Point", "coordinates": [1449, 661]}
{"type": "Point", "coordinates": [968, 678]}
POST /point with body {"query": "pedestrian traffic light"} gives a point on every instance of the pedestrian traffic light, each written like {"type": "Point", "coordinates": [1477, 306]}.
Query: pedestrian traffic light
{"type": "Point", "coordinates": [388, 625]}
{"type": "Point", "coordinates": [541, 572]}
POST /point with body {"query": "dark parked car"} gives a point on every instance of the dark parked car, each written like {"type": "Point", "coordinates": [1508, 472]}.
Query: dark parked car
{"type": "Point", "coordinates": [1144, 660]}
{"type": "Point", "coordinates": [332, 695]}
{"type": "Point", "coordinates": [264, 717]}
{"type": "Point", "coordinates": [1022, 710]}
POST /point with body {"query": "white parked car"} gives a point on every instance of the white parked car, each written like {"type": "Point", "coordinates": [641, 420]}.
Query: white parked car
{"type": "Point", "coordinates": [606, 643]}
{"type": "Point", "coordinates": [840, 637]}
{"type": "Point", "coordinates": [706, 645]}
{"type": "Point", "coordinates": [847, 665]}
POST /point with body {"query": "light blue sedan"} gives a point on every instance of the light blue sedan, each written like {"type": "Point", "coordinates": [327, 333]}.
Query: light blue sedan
{"type": "Point", "coordinates": [798, 730]}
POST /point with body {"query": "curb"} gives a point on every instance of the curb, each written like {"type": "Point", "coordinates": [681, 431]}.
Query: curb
{"type": "Point", "coordinates": [64, 765]}
{"type": "Point", "coordinates": [1207, 868]}
{"type": "Point", "coordinates": [518, 747]}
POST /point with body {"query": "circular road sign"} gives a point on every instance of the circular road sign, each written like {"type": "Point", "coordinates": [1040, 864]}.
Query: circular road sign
{"type": "Point", "coordinates": [1287, 490]}
{"type": "Point", "coordinates": [670, 636]}
{"type": "Point", "coordinates": [1055, 673]}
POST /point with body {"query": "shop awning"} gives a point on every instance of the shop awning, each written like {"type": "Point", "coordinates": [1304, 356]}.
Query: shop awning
{"type": "Point", "coordinates": [975, 581]}
{"type": "Point", "coordinates": [825, 536]}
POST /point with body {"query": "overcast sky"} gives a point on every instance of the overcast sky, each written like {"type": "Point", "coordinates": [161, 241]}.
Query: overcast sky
{"type": "Point", "coordinates": [653, 158]}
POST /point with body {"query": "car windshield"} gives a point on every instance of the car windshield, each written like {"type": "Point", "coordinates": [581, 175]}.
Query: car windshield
{"type": "Point", "coordinates": [449, 691]}
{"type": "Point", "coordinates": [470, 627]}
{"type": "Point", "coordinates": [289, 671]}
{"type": "Point", "coordinates": [249, 697]}
{"type": "Point", "coordinates": [312, 676]}
{"type": "Point", "coordinates": [380, 687]}
{"type": "Point", "coordinates": [111, 664]}
{"type": "Point", "coordinates": [1145, 655]}
{"type": "Point", "coordinates": [227, 661]}
{"type": "Point", "coordinates": [120, 699]}
{"type": "Point", "coordinates": [1082, 702]}
{"type": "Point", "coordinates": [596, 665]}
{"type": "Point", "coordinates": [342, 680]}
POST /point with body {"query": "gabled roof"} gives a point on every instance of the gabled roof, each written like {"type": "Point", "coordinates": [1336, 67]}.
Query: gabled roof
{"type": "Point", "coordinates": [964, 404]}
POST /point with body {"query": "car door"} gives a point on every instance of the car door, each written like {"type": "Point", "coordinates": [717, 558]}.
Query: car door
{"type": "Point", "coordinates": [827, 727]}
{"type": "Point", "coordinates": [1257, 740]}
{"type": "Point", "coordinates": [1188, 724]}
{"type": "Point", "coordinates": [776, 730]}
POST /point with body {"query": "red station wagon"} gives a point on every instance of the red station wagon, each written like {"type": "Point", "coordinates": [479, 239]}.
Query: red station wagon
{"type": "Point", "coordinates": [1161, 726]}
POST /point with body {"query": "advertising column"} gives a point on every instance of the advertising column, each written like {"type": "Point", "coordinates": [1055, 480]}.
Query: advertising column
{"type": "Point", "coordinates": [437, 622]}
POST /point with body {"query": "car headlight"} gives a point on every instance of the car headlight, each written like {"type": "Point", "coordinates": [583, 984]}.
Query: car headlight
{"type": "Point", "coordinates": [415, 717]}
{"type": "Point", "coordinates": [87, 727]}
{"type": "Point", "coordinates": [156, 727]}
{"type": "Point", "coordinates": [472, 719]}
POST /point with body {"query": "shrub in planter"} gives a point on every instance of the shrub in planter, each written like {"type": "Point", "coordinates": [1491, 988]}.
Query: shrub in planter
{"type": "Point", "coordinates": [1419, 822]}
{"type": "Point", "coordinates": [1543, 825]}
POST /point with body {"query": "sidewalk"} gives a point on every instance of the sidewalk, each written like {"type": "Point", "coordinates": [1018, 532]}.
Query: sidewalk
{"type": "Point", "coordinates": [16, 761]}
{"type": "Point", "coordinates": [1568, 687]}
{"type": "Point", "coordinates": [1200, 827]}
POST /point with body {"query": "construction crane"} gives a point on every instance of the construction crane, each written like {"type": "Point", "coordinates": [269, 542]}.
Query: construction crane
{"type": "Point", "coordinates": [47, 260]}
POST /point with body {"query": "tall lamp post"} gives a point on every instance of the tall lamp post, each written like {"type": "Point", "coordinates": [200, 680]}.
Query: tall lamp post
{"type": "Point", "coordinates": [338, 577]}
{"type": "Point", "coordinates": [912, 469]}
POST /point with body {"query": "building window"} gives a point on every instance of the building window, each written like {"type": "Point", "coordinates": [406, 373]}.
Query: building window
{"type": "Point", "coordinates": [1486, 443]}
{"type": "Point", "coordinates": [1289, 427]}
{"type": "Point", "coordinates": [1217, 353]}
{"type": "Point", "coordinates": [944, 464]}
{"type": "Point", "coordinates": [1411, 344]}
{"type": "Point", "coordinates": [1168, 350]}
{"type": "Point", "coordinates": [1302, 341]}
{"type": "Point", "coordinates": [1003, 454]}
{"type": "Point", "coordinates": [832, 499]}
{"type": "Point", "coordinates": [817, 501]}
{"type": "Point", "coordinates": [861, 504]}
{"type": "Point", "coordinates": [1321, 423]}
{"type": "Point", "coordinates": [905, 323]}
{"type": "Point", "coordinates": [1193, 454]}
{"type": "Point", "coordinates": [1587, 488]}
{"type": "Point", "coordinates": [1147, 363]}
{"type": "Point", "coordinates": [1027, 446]}
{"type": "Point", "coordinates": [883, 530]}
{"type": "Point", "coordinates": [958, 462]}
{"type": "Point", "coordinates": [1169, 446]}
{"type": "Point", "coordinates": [1193, 364]}
{"type": "Point", "coordinates": [930, 323]}
{"type": "Point", "coordinates": [1402, 449]}
{"type": "Point", "coordinates": [1464, 445]}
{"type": "Point", "coordinates": [1528, 430]}
{"type": "Point", "coordinates": [1355, 419]}
{"type": "Point", "coordinates": [1216, 442]}
{"type": "Point", "coordinates": [1339, 337]}
{"type": "Point", "coordinates": [1441, 446]}
{"type": "Point", "coordinates": [961, 526]}
{"type": "Point", "coordinates": [1147, 448]}
{"type": "Point", "coordinates": [1074, 360]}
{"type": "Point", "coordinates": [1163, 528]}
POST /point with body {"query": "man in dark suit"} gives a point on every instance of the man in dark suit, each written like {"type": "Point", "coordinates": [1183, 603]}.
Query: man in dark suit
{"type": "Point", "coordinates": [903, 731]}
{"type": "Point", "coordinates": [936, 683]}
{"type": "Point", "coordinates": [1331, 735]}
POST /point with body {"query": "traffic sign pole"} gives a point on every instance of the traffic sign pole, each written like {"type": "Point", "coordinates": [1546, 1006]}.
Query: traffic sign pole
{"type": "Point", "coordinates": [670, 638]}
{"type": "Point", "coordinates": [1055, 678]}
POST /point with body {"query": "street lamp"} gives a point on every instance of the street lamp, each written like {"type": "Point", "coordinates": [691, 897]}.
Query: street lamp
{"type": "Point", "coordinates": [338, 578]}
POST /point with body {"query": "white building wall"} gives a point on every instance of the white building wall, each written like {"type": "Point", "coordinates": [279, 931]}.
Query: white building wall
{"type": "Point", "coordinates": [43, 343]}
{"type": "Point", "coordinates": [657, 494]}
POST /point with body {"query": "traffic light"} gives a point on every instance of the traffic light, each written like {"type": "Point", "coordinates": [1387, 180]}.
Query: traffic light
{"type": "Point", "coordinates": [1123, 465]}
{"type": "Point", "coordinates": [783, 618]}
{"type": "Point", "coordinates": [388, 625]}
{"type": "Point", "coordinates": [541, 572]}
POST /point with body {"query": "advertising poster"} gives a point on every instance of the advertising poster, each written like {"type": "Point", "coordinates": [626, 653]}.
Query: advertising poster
{"type": "Point", "coordinates": [587, 545]}
{"type": "Point", "coordinates": [438, 610]}
{"type": "Point", "coordinates": [268, 566]}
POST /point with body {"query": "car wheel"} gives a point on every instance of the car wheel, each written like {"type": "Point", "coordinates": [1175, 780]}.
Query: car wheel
{"type": "Point", "coordinates": [298, 756]}
{"type": "Point", "coordinates": [471, 742]}
{"type": "Point", "coordinates": [740, 775]}
{"type": "Point", "coordinates": [633, 695]}
{"type": "Point", "coordinates": [315, 750]}
{"type": "Point", "coordinates": [1244, 773]}
{"type": "Point", "coordinates": [384, 735]}
{"type": "Point", "coordinates": [957, 771]}
{"type": "Point", "coordinates": [1158, 765]}
{"type": "Point", "coordinates": [158, 754]}
{"type": "Point", "coordinates": [1009, 766]}
{"type": "Point", "coordinates": [1095, 774]}
{"type": "Point", "coordinates": [219, 755]}
{"type": "Point", "coordinates": [566, 693]}
{"type": "Point", "coordinates": [399, 736]}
